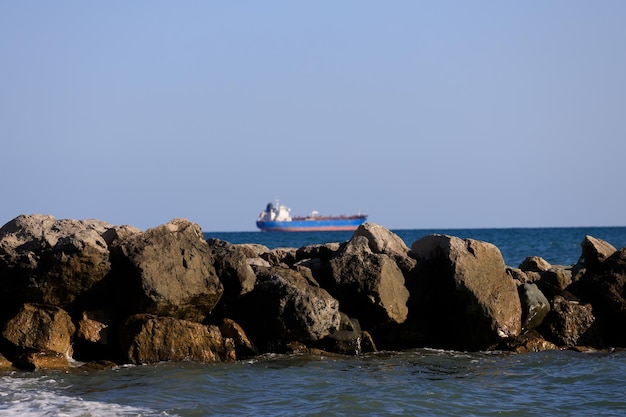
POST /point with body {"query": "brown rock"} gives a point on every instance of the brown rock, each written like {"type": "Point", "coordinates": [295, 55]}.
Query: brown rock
{"type": "Point", "coordinates": [99, 365]}
{"type": "Point", "coordinates": [149, 339]}
{"type": "Point", "coordinates": [39, 360]}
{"type": "Point", "coordinates": [528, 342]}
{"type": "Point", "coordinates": [40, 328]}
{"type": "Point", "coordinates": [570, 323]}
{"type": "Point", "coordinates": [595, 251]}
{"type": "Point", "coordinates": [517, 275]}
{"type": "Point", "coordinates": [534, 264]}
{"type": "Point", "coordinates": [92, 330]}
{"type": "Point", "coordinates": [243, 346]}
{"type": "Point", "coordinates": [462, 297]}
{"type": "Point", "coordinates": [5, 364]}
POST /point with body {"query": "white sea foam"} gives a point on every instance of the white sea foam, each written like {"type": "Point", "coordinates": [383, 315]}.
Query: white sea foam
{"type": "Point", "coordinates": [23, 396]}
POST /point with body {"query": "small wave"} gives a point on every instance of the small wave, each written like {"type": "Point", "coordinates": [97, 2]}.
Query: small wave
{"type": "Point", "coordinates": [30, 397]}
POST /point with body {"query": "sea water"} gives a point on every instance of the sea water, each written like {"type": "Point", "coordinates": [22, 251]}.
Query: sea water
{"type": "Point", "coordinates": [408, 383]}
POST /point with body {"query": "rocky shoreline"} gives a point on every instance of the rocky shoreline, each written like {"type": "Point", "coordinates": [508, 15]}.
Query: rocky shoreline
{"type": "Point", "coordinates": [101, 294]}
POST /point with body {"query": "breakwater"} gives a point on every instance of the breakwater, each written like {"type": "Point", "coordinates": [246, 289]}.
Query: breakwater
{"type": "Point", "coordinates": [106, 294]}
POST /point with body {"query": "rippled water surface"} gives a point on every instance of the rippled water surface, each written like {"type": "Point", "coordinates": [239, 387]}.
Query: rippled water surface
{"type": "Point", "coordinates": [420, 382]}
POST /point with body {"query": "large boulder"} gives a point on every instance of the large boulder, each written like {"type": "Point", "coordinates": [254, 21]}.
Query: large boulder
{"type": "Point", "coordinates": [40, 328]}
{"type": "Point", "coordinates": [369, 286]}
{"type": "Point", "coordinates": [41, 360]}
{"type": "Point", "coordinates": [570, 323]}
{"type": "Point", "coordinates": [604, 287]}
{"type": "Point", "coordinates": [556, 281]}
{"type": "Point", "coordinates": [462, 297]}
{"type": "Point", "coordinates": [149, 339]}
{"type": "Point", "coordinates": [231, 265]}
{"type": "Point", "coordinates": [285, 307]}
{"type": "Point", "coordinates": [534, 264]}
{"type": "Point", "coordinates": [595, 251]}
{"type": "Point", "coordinates": [382, 241]}
{"type": "Point", "coordinates": [49, 261]}
{"type": "Point", "coordinates": [168, 270]}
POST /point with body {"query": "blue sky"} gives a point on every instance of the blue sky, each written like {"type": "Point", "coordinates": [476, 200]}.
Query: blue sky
{"type": "Point", "coordinates": [446, 114]}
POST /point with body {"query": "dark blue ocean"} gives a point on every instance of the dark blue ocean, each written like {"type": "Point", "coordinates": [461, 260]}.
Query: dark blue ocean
{"type": "Point", "coordinates": [418, 382]}
{"type": "Point", "coordinates": [559, 246]}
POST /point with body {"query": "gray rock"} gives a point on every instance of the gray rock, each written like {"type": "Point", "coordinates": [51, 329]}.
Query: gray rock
{"type": "Point", "coordinates": [382, 241]}
{"type": "Point", "coordinates": [49, 261]}
{"type": "Point", "coordinates": [283, 257]}
{"type": "Point", "coordinates": [169, 271]}
{"type": "Point", "coordinates": [324, 252]}
{"type": "Point", "coordinates": [604, 287]}
{"type": "Point", "coordinates": [284, 307]}
{"type": "Point", "coordinates": [232, 268]}
{"type": "Point", "coordinates": [555, 281]}
{"type": "Point", "coordinates": [369, 286]}
{"type": "Point", "coordinates": [252, 250]}
{"type": "Point", "coordinates": [535, 306]}
{"type": "Point", "coordinates": [348, 340]}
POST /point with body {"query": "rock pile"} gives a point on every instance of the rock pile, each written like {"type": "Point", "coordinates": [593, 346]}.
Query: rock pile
{"type": "Point", "coordinates": [93, 292]}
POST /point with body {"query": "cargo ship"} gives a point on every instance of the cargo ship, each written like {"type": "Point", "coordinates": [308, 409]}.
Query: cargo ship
{"type": "Point", "coordinates": [277, 218]}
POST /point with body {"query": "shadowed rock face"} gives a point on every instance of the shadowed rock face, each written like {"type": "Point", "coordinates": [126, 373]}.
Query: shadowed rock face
{"type": "Point", "coordinates": [284, 307]}
{"type": "Point", "coordinates": [369, 286]}
{"type": "Point", "coordinates": [169, 270]}
{"type": "Point", "coordinates": [570, 323]}
{"type": "Point", "coordinates": [232, 267]}
{"type": "Point", "coordinates": [604, 287]}
{"type": "Point", "coordinates": [462, 296]}
{"type": "Point", "coordinates": [49, 261]}
{"type": "Point", "coordinates": [382, 241]}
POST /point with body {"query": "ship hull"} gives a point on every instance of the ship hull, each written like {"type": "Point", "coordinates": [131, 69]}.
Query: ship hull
{"type": "Point", "coordinates": [330, 225]}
